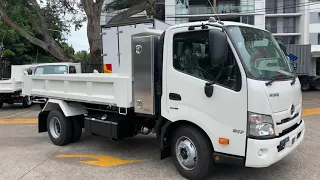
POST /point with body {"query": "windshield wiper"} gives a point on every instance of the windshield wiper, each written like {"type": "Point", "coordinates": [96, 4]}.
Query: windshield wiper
{"type": "Point", "coordinates": [274, 78]}
{"type": "Point", "coordinates": [294, 79]}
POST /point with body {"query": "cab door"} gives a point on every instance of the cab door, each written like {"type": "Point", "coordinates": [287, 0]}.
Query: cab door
{"type": "Point", "coordinates": [188, 69]}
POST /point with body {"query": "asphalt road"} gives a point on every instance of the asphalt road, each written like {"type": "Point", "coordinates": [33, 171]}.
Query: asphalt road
{"type": "Point", "coordinates": [26, 154]}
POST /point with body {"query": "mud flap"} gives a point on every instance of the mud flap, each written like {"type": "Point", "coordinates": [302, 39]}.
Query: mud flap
{"type": "Point", "coordinates": [42, 121]}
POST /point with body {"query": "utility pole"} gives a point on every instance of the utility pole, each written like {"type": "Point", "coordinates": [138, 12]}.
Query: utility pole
{"type": "Point", "coordinates": [214, 2]}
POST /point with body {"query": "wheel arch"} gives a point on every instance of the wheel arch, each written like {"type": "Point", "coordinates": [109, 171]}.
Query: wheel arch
{"type": "Point", "coordinates": [68, 110]}
{"type": "Point", "coordinates": [166, 133]}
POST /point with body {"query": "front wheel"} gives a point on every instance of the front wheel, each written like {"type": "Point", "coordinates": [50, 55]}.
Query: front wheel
{"type": "Point", "coordinates": [1, 104]}
{"type": "Point", "coordinates": [192, 153]}
{"type": "Point", "coordinates": [59, 128]}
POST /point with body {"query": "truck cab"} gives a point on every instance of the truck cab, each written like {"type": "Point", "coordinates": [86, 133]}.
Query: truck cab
{"type": "Point", "coordinates": [56, 68]}
{"type": "Point", "coordinates": [233, 82]}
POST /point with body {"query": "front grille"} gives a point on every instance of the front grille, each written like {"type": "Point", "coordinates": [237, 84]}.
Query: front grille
{"type": "Point", "coordinates": [288, 130]}
{"type": "Point", "coordinates": [287, 119]}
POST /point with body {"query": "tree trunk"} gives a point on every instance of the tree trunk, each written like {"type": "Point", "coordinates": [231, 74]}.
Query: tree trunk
{"type": "Point", "coordinates": [93, 12]}
{"type": "Point", "coordinates": [94, 39]}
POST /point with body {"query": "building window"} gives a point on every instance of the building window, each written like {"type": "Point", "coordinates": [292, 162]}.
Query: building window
{"type": "Point", "coordinates": [319, 39]}
{"type": "Point", "coordinates": [271, 25]}
{"type": "Point", "coordinates": [288, 40]}
{"type": "Point", "coordinates": [289, 25]}
{"type": "Point", "coordinates": [289, 6]}
{"type": "Point", "coordinates": [247, 20]}
{"type": "Point", "coordinates": [271, 7]}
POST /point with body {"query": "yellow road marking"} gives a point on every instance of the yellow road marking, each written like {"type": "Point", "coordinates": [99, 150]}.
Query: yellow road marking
{"type": "Point", "coordinates": [100, 160]}
{"type": "Point", "coordinates": [18, 121]}
{"type": "Point", "coordinates": [6, 117]}
{"type": "Point", "coordinates": [311, 111]}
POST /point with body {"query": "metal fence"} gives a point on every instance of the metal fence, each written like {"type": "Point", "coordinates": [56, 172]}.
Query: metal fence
{"type": "Point", "coordinates": [5, 70]}
{"type": "Point", "coordinates": [88, 68]}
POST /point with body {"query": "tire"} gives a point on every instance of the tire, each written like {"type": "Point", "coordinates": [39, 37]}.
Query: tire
{"type": "Point", "coordinates": [1, 104]}
{"type": "Point", "coordinates": [76, 130]}
{"type": "Point", "coordinates": [203, 148]}
{"type": "Point", "coordinates": [316, 85]}
{"type": "Point", "coordinates": [65, 134]}
{"type": "Point", "coordinates": [305, 84]}
{"type": "Point", "coordinates": [26, 102]}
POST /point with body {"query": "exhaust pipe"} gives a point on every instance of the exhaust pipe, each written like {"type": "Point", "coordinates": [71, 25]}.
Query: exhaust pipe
{"type": "Point", "coordinates": [144, 130]}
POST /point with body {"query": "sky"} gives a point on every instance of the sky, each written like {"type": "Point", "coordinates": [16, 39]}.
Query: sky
{"type": "Point", "coordinates": [78, 39]}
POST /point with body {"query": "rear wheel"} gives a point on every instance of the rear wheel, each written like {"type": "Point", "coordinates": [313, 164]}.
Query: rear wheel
{"type": "Point", "coordinates": [1, 104]}
{"type": "Point", "coordinates": [305, 84]}
{"type": "Point", "coordinates": [316, 85]}
{"type": "Point", "coordinates": [192, 152]}
{"type": "Point", "coordinates": [26, 102]}
{"type": "Point", "coordinates": [59, 128]}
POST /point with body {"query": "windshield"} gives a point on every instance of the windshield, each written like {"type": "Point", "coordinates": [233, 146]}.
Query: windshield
{"type": "Point", "coordinates": [260, 52]}
{"type": "Point", "coordinates": [53, 69]}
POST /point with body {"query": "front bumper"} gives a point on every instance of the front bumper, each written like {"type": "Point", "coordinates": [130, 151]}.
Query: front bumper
{"type": "Point", "coordinates": [263, 153]}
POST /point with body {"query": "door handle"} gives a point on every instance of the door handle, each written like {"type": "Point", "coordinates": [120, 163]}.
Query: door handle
{"type": "Point", "coordinates": [175, 97]}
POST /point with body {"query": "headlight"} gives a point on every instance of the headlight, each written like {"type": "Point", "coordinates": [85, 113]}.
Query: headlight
{"type": "Point", "coordinates": [260, 126]}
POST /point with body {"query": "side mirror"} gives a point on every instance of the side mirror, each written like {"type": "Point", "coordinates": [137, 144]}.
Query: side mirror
{"type": "Point", "coordinates": [218, 47]}
{"type": "Point", "coordinates": [208, 89]}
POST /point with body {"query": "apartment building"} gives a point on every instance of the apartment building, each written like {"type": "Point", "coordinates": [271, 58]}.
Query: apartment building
{"type": "Point", "coordinates": [286, 19]}
{"type": "Point", "coordinates": [314, 26]}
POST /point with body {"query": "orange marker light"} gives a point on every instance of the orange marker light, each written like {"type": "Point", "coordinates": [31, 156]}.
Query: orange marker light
{"type": "Point", "coordinates": [217, 158]}
{"type": "Point", "coordinates": [223, 141]}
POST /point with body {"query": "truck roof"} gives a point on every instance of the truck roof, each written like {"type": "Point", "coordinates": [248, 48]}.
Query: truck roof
{"type": "Point", "coordinates": [55, 63]}
{"type": "Point", "coordinates": [216, 23]}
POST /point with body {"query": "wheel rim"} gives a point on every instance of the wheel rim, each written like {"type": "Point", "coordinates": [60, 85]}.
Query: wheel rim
{"type": "Point", "coordinates": [186, 153]}
{"type": "Point", "coordinates": [55, 127]}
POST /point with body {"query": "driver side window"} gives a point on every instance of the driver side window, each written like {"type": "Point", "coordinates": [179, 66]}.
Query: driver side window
{"type": "Point", "coordinates": [191, 56]}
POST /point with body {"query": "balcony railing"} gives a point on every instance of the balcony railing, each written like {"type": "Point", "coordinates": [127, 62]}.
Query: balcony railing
{"type": "Point", "coordinates": [220, 9]}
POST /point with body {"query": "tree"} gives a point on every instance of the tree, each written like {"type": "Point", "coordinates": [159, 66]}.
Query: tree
{"type": "Point", "coordinates": [75, 8]}
{"type": "Point", "coordinates": [44, 24]}
{"type": "Point", "coordinates": [132, 8]}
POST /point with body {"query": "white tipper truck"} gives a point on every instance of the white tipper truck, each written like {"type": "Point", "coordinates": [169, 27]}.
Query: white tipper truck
{"type": "Point", "coordinates": [10, 89]}
{"type": "Point", "coordinates": [212, 91]}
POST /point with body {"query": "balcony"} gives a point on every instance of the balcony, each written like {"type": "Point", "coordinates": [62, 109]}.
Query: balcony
{"type": "Point", "coordinates": [208, 10]}
{"type": "Point", "coordinates": [221, 9]}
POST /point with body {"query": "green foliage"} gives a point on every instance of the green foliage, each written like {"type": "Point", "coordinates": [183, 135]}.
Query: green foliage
{"type": "Point", "coordinates": [7, 53]}
{"type": "Point", "coordinates": [82, 56]}
{"type": "Point", "coordinates": [67, 48]}
{"type": "Point", "coordinates": [18, 50]}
